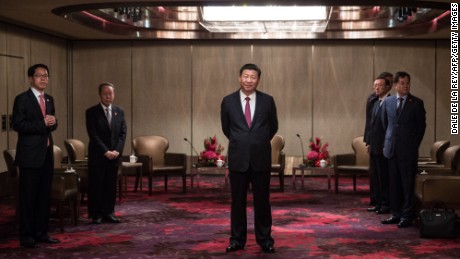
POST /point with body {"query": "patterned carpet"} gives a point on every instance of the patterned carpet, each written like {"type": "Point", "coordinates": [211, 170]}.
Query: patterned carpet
{"type": "Point", "coordinates": [308, 222]}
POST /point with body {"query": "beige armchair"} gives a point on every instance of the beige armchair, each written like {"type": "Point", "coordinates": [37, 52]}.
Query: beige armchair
{"type": "Point", "coordinates": [76, 151]}
{"type": "Point", "coordinates": [13, 177]}
{"type": "Point", "coordinates": [151, 152]}
{"type": "Point", "coordinates": [352, 164]}
{"type": "Point", "coordinates": [441, 183]}
{"type": "Point", "coordinates": [278, 158]}
{"type": "Point", "coordinates": [77, 159]}
{"type": "Point", "coordinates": [64, 189]}
{"type": "Point", "coordinates": [436, 152]}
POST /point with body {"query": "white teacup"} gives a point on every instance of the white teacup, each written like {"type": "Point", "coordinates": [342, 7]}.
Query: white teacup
{"type": "Point", "coordinates": [220, 162]}
{"type": "Point", "coordinates": [132, 159]}
{"type": "Point", "coordinates": [323, 163]}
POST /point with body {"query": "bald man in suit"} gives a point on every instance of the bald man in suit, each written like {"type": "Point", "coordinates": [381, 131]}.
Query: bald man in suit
{"type": "Point", "coordinates": [106, 127]}
{"type": "Point", "coordinates": [249, 121]}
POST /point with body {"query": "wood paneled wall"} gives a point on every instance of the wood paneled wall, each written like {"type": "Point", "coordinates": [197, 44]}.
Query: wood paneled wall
{"type": "Point", "coordinates": [20, 48]}
{"type": "Point", "coordinates": [174, 89]}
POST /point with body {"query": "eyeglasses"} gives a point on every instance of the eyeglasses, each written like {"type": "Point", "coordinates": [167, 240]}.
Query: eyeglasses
{"type": "Point", "coordinates": [41, 76]}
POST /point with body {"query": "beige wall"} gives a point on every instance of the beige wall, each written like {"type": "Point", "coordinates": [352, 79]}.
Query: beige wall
{"type": "Point", "coordinates": [174, 88]}
{"type": "Point", "coordinates": [19, 48]}
{"type": "Point", "coordinates": [320, 87]}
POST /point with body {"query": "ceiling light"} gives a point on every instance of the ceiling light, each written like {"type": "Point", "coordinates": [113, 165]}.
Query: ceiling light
{"type": "Point", "coordinates": [227, 19]}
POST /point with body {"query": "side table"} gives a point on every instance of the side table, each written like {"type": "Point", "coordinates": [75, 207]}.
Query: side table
{"type": "Point", "coordinates": [196, 171]}
{"type": "Point", "coordinates": [125, 166]}
{"type": "Point", "coordinates": [313, 171]}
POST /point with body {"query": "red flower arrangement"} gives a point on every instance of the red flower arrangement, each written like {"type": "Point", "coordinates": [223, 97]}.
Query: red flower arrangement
{"type": "Point", "coordinates": [212, 152]}
{"type": "Point", "coordinates": [318, 152]}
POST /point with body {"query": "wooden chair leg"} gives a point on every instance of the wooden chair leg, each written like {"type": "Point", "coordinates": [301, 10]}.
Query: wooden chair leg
{"type": "Point", "coordinates": [75, 211]}
{"type": "Point", "coordinates": [150, 185]}
{"type": "Point", "coordinates": [281, 176]}
{"type": "Point", "coordinates": [184, 182]}
{"type": "Point", "coordinates": [336, 183]}
{"type": "Point", "coordinates": [60, 208]}
{"type": "Point", "coordinates": [166, 183]}
{"type": "Point", "coordinates": [354, 183]}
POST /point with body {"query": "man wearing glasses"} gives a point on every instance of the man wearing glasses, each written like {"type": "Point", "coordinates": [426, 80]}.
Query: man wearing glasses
{"type": "Point", "coordinates": [34, 120]}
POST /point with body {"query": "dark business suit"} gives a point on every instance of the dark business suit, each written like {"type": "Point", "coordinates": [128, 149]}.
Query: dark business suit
{"type": "Point", "coordinates": [404, 133]}
{"type": "Point", "coordinates": [102, 172]}
{"type": "Point", "coordinates": [34, 157]}
{"type": "Point", "coordinates": [370, 102]}
{"type": "Point", "coordinates": [379, 177]}
{"type": "Point", "coordinates": [249, 161]}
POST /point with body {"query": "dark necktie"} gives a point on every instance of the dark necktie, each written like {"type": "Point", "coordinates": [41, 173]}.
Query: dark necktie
{"type": "Point", "coordinates": [109, 116]}
{"type": "Point", "coordinates": [400, 106]}
{"type": "Point", "coordinates": [377, 106]}
{"type": "Point", "coordinates": [247, 112]}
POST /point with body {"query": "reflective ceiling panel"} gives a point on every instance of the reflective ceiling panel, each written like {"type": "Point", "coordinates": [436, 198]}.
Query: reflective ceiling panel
{"type": "Point", "coordinates": [147, 21]}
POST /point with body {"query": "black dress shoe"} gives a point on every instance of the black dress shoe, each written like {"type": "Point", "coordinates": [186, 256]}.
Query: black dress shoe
{"type": "Point", "coordinates": [383, 211]}
{"type": "Point", "coordinates": [49, 240]}
{"type": "Point", "coordinates": [96, 221]}
{"type": "Point", "coordinates": [233, 248]}
{"type": "Point", "coordinates": [28, 243]}
{"type": "Point", "coordinates": [405, 223]}
{"type": "Point", "coordinates": [268, 249]}
{"type": "Point", "coordinates": [111, 219]}
{"type": "Point", "coordinates": [391, 220]}
{"type": "Point", "coordinates": [375, 208]}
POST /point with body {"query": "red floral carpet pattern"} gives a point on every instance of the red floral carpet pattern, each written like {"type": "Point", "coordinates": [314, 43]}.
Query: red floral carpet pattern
{"type": "Point", "coordinates": [308, 222]}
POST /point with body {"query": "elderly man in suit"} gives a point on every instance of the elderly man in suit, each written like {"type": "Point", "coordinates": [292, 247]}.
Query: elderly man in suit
{"type": "Point", "coordinates": [34, 120]}
{"type": "Point", "coordinates": [249, 121]}
{"type": "Point", "coordinates": [378, 162]}
{"type": "Point", "coordinates": [107, 129]}
{"type": "Point", "coordinates": [404, 121]}
{"type": "Point", "coordinates": [370, 102]}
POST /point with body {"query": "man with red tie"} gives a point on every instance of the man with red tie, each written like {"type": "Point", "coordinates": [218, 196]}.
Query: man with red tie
{"type": "Point", "coordinates": [33, 120]}
{"type": "Point", "coordinates": [249, 121]}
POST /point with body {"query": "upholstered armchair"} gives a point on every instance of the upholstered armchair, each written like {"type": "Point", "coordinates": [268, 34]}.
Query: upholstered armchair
{"type": "Point", "coordinates": [76, 151]}
{"type": "Point", "coordinates": [440, 183]}
{"type": "Point", "coordinates": [13, 177]}
{"type": "Point", "coordinates": [151, 152]}
{"type": "Point", "coordinates": [352, 164]}
{"type": "Point", "coordinates": [64, 189]}
{"type": "Point", "coordinates": [278, 158]}
{"type": "Point", "coordinates": [436, 152]}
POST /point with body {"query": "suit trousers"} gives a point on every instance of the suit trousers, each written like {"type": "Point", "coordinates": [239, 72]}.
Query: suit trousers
{"type": "Point", "coordinates": [402, 184]}
{"type": "Point", "coordinates": [379, 180]}
{"type": "Point", "coordinates": [239, 183]}
{"type": "Point", "coordinates": [102, 190]}
{"type": "Point", "coordinates": [34, 199]}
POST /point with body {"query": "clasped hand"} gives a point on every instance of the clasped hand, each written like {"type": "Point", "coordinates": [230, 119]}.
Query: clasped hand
{"type": "Point", "coordinates": [111, 154]}
{"type": "Point", "coordinates": [50, 120]}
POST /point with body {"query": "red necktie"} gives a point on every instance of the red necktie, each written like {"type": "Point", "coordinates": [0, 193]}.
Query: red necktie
{"type": "Point", "coordinates": [42, 105]}
{"type": "Point", "coordinates": [247, 112]}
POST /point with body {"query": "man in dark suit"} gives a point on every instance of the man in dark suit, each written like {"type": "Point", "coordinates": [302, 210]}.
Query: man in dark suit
{"type": "Point", "coordinates": [106, 128]}
{"type": "Point", "coordinates": [370, 102]}
{"type": "Point", "coordinates": [33, 119]}
{"type": "Point", "coordinates": [404, 121]}
{"type": "Point", "coordinates": [249, 121]}
{"type": "Point", "coordinates": [378, 163]}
